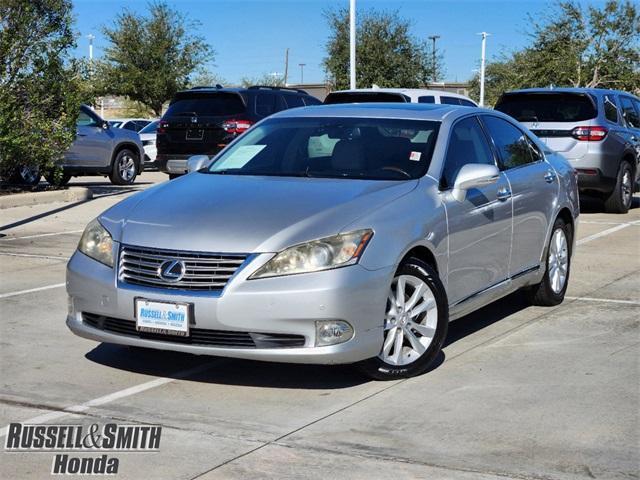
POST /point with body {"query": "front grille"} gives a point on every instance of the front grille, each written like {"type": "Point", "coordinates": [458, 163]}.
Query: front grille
{"type": "Point", "coordinates": [197, 336]}
{"type": "Point", "coordinates": [203, 271]}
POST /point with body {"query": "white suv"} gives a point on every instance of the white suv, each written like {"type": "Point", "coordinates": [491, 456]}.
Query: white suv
{"type": "Point", "coordinates": [395, 95]}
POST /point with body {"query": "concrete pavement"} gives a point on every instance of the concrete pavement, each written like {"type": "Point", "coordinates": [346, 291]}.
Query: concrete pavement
{"type": "Point", "coordinates": [520, 392]}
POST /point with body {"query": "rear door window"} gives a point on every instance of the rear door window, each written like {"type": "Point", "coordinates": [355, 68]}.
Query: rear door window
{"type": "Point", "coordinates": [309, 100]}
{"type": "Point", "coordinates": [629, 112]}
{"type": "Point", "coordinates": [610, 109]}
{"type": "Point", "coordinates": [427, 99]}
{"type": "Point", "coordinates": [514, 147]}
{"type": "Point", "coordinates": [293, 101]}
{"type": "Point", "coordinates": [213, 104]}
{"type": "Point", "coordinates": [450, 100]}
{"type": "Point", "coordinates": [265, 104]}
{"type": "Point", "coordinates": [467, 144]}
{"type": "Point", "coordinates": [548, 107]}
{"type": "Point", "coordinates": [466, 103]}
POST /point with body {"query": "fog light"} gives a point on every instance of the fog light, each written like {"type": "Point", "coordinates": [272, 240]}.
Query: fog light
{"type": "Point", "coordinates": [332, 332]}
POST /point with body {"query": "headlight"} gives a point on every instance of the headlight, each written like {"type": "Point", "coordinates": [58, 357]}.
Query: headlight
{"type": "Point", "coordinates": [97, 243]}
{"type": "Point", "coordinates": [323, 254]}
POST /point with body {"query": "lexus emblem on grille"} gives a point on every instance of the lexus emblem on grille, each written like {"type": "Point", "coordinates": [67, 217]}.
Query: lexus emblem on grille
{"type": "Point", "coordinates": [172, 270]}
{"type": "Point", "coordinates": [194, 119]}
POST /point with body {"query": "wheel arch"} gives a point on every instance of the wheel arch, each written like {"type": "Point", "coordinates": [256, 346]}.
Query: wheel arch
{"type": "Point", "coordinates": [131, 146]}
{"type": "Point", "coordinates": [423, 253]}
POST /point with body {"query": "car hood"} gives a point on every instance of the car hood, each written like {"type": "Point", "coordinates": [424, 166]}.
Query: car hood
{"type": "Point", "coordinates": [245, 214]}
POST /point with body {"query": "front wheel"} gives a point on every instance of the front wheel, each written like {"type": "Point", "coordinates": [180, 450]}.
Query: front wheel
{"type": "Point", "coordinates": [415, 324]}
{"type": "Point", "coordinates": [551, 290]}
{"type": "Point", "coordinates": [125, 168]}
{"type": "Point", "coordinates": [26, 175]}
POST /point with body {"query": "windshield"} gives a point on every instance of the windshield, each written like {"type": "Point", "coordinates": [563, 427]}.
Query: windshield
{"type": "Point", "coordinates": [359, 148]}
{"type": "Point", "coordinates": [214, 104]}
{"type": "Point", "coordinates": [547, 107]}
{"type": "Point", "coordinates": [150, 128]}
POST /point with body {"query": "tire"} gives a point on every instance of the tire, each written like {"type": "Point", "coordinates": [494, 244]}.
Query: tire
{"type": "Point", "coordinates": [25, 175]}
{"type": "Point", "coordinates": [173, 176]}
{"type": "Point", "coordinates": [433, 322]}
{"type": "Point", "coordinates": [58, 179]}
{"type": "Point", "coordinates": [620, 199]}
{"type": "Point", "coordinates": [125, 168]}
{"type": "Point", "coordinates": [551, 290]}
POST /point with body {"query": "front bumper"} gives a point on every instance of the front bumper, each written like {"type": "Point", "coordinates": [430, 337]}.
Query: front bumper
{"type": "Point", "coordinates": [282, 305]}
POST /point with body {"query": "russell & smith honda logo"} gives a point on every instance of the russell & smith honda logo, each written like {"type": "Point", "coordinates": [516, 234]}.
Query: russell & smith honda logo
{"type": "Point", "coordinates": [80, 449]}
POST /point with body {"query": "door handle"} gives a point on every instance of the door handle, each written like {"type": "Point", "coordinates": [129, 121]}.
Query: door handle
{"type": "Point", "coordinates": [503, 194]}
{"type": "Point", "coordinates": [549, 176]}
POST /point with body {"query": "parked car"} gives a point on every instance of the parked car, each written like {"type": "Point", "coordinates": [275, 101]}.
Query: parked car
{"type": "Point", "coordinates": [205, 119]}
{"type": "Point", "coordinates": [148, 139]}
{"type": "Point", "coordinates": [133, 124]}
{"type": "Point", "coordinates": [98, 149]}
{"type": "Point", "coordinates": [332, 234]}
{"type": "Point", "coordinates": [398, 95]}
{"type": "Point", "coordinates": [597, 130]}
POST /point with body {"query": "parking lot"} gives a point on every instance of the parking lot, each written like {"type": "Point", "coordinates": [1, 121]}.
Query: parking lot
{"type": "Point", "coordinates": [520, 392]}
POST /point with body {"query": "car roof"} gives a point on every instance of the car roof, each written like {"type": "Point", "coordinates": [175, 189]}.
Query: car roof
{"type": "Point", "coordinates": [252, 88]}
{"type": "Point", "coordinates": [415, 91]}
{"type": "Point", "coordinates": [129, 120]}
{"type": "Point", "coordinates": [593, 91]}
{"type": "Point", "coordinates": [406, 111]}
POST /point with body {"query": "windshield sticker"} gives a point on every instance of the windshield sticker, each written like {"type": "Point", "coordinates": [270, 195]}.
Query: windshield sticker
{"type": "Point", "coordinates": [240, 157]}
{"type": "Point", "coordinates": [415, 156]}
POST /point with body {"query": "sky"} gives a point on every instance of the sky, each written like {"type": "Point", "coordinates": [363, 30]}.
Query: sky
{"type": "Point", "coordinates": [250, 36]}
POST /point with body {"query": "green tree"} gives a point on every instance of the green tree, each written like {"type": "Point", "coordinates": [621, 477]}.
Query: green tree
{"type": "Point", "coordinates": [40, 87]}
{"type": "Point", "coordinates": [266, 79]}
{"type": "Point", "coordinates": [573, 46]}
{"type": "Point", "coordinates": [387, 54]}
{"type": "Point", "coordinates": [150, 58]}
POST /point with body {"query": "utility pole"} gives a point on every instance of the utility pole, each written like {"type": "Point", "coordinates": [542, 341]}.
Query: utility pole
{"type": "Point", "coordinates": [433, 38]}
{"type": "Point", "coordinates": [91, 37]}
{"type": "Point", "coordinates": [352, 43]}
{"type": "Point", "coordinates": [286, 66]}
{"type": "Point", "coordinates": [482, 65]}
{"type": "Point", "coordinates": [301, 65]}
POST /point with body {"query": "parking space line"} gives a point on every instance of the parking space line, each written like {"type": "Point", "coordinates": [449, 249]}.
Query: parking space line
{"type": "Point", "coordinates": [606, 232]}
{"type": "Point", "coordinates": [31, 290]}
{"type": "Point", "coordinates": [127, 392]}
{"type": "Point", "coordinates": [604, 300]}
{"type": "Point", "coordinates": [33, 255]}
{"type": "Point", "coordinates": [40, 235]}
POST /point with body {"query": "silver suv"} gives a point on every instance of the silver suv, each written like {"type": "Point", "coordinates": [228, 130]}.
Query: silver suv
{"type": "Point", "coordinates": [597, 130]}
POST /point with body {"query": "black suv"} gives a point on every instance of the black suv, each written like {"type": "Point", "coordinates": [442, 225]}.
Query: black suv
{"type": "Point", "coordinates": [203, 120]}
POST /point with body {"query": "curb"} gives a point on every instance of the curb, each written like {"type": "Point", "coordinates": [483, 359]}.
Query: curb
{"type": "Point", "coordinates": [72, 194]}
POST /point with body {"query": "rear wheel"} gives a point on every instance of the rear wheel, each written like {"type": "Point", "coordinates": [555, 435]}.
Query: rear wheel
{"type": "Point", "coordinates": [125, 168]}
{"type": "Point", "coordinates": [620, 199]}
{"type": "Point", "coordinates": [415, 324]}
{"type": "Point", "coordinates": [26, 175]}
{"type": "Point", "coordinates": [57, 178]}
{"type": "Point", "coordinates": [173, 176]}
{"type": "Point", "coordinates": [551, 290]}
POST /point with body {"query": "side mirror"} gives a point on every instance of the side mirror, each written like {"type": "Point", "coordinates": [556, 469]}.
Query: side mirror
{"type": "Point", "coordinates": [474, 175]}
{"type": "Point", "coordinates": [105, 125]}
{"type": "Point", "coordinates": [197, 162]}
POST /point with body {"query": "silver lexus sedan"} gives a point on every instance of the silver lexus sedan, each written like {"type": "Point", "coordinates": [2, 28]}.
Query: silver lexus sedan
{"type": "Point", "coordinates": [332, 234]}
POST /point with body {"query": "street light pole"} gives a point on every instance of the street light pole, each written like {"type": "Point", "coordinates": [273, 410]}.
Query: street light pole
{"type": "Point", "coordinates": [433, 38]}
{"type": "Point", "coordinates": [91, 37]}
{"type": "Point", "coordinates": [482, 65]}
{"type": "Point", "coordinates": [352, 43]}
{"type": "Point", "coordinates": [302, 65]}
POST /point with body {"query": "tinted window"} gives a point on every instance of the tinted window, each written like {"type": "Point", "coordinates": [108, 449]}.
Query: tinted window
{"type": "Point", "coordinates": [151, 128]}
{"type": "Point", "coordinates": [547, 107]}
{"type": "Point", "coordinates": [466, 103]}
{"type": "Point", "coordinates": [206, 104]}
{"type": "Point", "coordinates": [610, 109]}
{"type": "Point", "coordinates": [364, 97]}
{"type": "Point", "coordinates": [357, 148]}
{"type": "Point", "coordinates": [265, 104]}
{"type": "Point", "coordinates": [293, 101]}
{"type": "Point", "coordinates": [84, 119]}
{"type": "Point", "coordinates": [512, 144]}
{"type": "Point", "coordinates": [309, 100]}
{"type": "Point", "coordinates": [130, 126]}
{"type": "Point", "coordinates": [467, 144]}
{"type": "Point", "coordinates": [427, 99]}
{"type": "Point", "coordinates": [450, 100]}
{"type": "Point", "coordinates": [630, 115]}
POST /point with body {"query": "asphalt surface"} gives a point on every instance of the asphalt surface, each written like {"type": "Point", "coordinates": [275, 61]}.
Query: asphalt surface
{"type": "Point", "coordinates": [520, 392]}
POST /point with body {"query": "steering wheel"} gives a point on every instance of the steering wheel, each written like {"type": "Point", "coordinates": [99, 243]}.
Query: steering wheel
{"type": "Point", "coordinates": [397, 170]}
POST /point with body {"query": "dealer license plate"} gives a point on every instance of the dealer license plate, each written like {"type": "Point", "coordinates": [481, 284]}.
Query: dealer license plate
{"type": "Point", "coordinates": [166, 318]}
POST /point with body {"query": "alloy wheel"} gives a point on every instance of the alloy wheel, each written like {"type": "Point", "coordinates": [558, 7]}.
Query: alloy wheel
{"type": "Point", "coordinates": [626, 187]}
{"type": "Point", "coordinates": [558, 261]}
{"type": "Point", "coordinates": [410, 321]}
{"type": "Point", "coordinates": [126, 167]}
